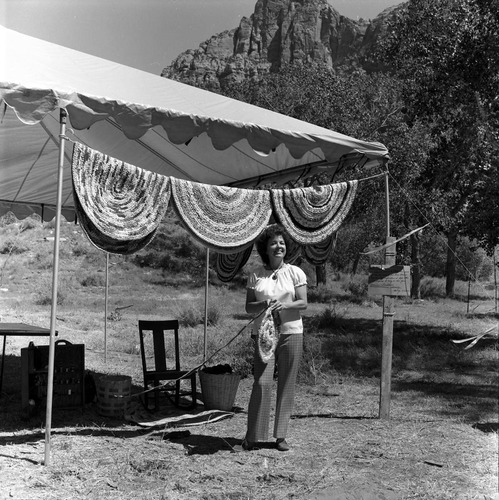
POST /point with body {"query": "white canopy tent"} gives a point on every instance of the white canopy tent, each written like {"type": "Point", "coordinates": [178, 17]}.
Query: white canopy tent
{"type": "Point", "coordinates": [151, 122]}
{"type": "Point", "coordinates": [145, 120]}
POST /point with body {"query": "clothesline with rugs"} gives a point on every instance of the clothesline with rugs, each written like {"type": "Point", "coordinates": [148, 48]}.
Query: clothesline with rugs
{"type": "Point", "coordinates": [120, 207]}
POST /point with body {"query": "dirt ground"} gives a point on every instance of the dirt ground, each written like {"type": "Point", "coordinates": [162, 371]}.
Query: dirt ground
{"type": "Point", "coordinates": [341, 450]}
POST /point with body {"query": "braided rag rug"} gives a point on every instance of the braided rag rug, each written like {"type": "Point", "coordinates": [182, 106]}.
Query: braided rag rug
{"type": "Point", "coordinates": [225, 219]}
{"type": "Point", "coordinates": [119, 206]}
{"type": "Point", "coordinates": [319, 253]}
{"type": "Point", "coordinates": [293, 252]}
{"type": "Point", "coordinates": [311, 215]}
{"type": "Point", "coordinates": [268, 336]}
{"type": "Point", "coordinates": [229, 264]}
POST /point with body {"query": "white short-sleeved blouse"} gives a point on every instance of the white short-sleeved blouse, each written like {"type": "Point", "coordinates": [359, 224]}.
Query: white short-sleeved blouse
{"type": "Point", "coordinates": [283, 288]}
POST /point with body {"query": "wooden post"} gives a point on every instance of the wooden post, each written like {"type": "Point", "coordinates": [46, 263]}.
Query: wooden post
{"type": "Point", "coordinates": [388, 313]}
{"type": "Point", "coordinates": [495, 281]}
{"type": "Point", "coordinates": [387, 343]}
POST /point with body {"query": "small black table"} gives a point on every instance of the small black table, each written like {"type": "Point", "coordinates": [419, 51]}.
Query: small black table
{"type": "Point", "coordinates": [20, 330]}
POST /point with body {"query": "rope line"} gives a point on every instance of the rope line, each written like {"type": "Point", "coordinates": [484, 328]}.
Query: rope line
{"type": "Point", "coordinates": [198, 367]}
{"type": "Point", "coordinates": [479, 283]}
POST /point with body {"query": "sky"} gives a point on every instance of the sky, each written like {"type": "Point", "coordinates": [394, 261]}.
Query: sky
{"type": "Point", "coordinates": [144, 34]}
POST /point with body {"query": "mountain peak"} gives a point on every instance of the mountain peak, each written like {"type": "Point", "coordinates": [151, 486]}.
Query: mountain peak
{"type": "Point", "coordinates": [279, 32]}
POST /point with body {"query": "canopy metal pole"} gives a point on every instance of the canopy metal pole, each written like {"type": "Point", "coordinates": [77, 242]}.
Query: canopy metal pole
{"type": "Point", "coordinates": [206, 304]}
{"type": "Point", "coordinates": [50, 380]}
{"type": "Point", "coordinates": [105, 307]}
{"type": "Point", "coordinates": [387, 204]}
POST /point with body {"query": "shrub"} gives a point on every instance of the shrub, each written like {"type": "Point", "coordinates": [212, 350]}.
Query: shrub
{"type": "Point", "coordinates": [13, 246]}
{"type": "Point", "coordinates": [43, 260]}
{"type": "Point", "coordinates": [50, 224]}
{"type": "Point", "coordinates": [215, 315]}
{"type": "Point", "coordinates": [321, 294]}
{"type": "Point", "coordinates": [473, 262]}
{"type": "Point", "coordinates": [239, 354]}
{"type": "Point", "coordinates": [81, 249]}
{"type": "Point", "coordinates": [7, 219]}
{"type": "Point", "coordinates": [190, 316]}
{"type": "Point", "coordinates": [29, 223]}
{"type": "Point", "coordinates": [314, 366]}
{"type": "Point", "coordinates": [241, 360]}
{"type": "Point", "coordinates": [94, 279]}
{"type": "Point", "coordinates": [432, 288]}
{"type": "Point", "coordinates": [67, 289]}
{"type": "Point", "coordinates": [161, 260]}
{"type": "Point", "coordinates": [45, 298]}
{"type": "Point", "coordinates": [328, 318]}
{"type": "Point", "coordinates": [193, 315]}
{"type": "Point", "coordinates": [357, 286]}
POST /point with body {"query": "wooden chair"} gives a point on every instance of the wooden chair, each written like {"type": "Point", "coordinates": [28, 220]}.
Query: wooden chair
{"type": "Point", "coordinates": [155, 375]}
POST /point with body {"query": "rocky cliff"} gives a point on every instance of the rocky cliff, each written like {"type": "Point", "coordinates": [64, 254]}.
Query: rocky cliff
{"type": "Point", "coordinates": [280, 32]}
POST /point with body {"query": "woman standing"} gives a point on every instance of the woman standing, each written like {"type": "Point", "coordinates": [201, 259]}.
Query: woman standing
{"type": "Point", "coordinates": [282, 288]}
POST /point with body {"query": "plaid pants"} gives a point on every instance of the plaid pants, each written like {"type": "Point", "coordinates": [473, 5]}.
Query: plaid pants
{"type": "Point", "coordinates": [287, 356]}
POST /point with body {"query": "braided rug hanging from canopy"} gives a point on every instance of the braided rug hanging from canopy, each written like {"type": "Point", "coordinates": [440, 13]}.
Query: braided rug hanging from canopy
{"type": "Point", "coordinates": [108, 243]}
{"type": "Point", "coordinates": [319, 253]}
{"type": "Point", "coordinates": [120, 206]}
{"type": "Point", "coordinates": [229, 264]}
{"type": "Point", "coordinates": [222, 218]}
{"type": "Point", "coordinates": [311, 215]}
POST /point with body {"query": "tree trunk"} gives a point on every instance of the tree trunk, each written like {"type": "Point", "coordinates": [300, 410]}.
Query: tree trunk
{"type": "Point", "coordinates": [450, 267]}
{"type": "Point", "coordinates": [320, 274]}
{"type": "Point", "coordinates": [356, 264]}
{"type": "Point", "coordinates": [415, 267]}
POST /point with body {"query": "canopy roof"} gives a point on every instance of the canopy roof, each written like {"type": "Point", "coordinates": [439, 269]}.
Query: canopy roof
{"type": "Point", "coordinates": [152, 122]}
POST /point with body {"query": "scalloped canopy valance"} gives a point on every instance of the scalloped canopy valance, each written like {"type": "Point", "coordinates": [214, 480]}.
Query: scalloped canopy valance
{"type": "Point", "coordinates": [155, 123]}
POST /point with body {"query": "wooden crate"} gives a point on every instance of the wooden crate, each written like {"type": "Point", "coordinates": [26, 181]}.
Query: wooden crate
{"type": "Point", "coordinates": [69, 376]}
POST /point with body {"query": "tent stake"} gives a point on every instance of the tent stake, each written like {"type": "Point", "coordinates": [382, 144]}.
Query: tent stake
{"type": "Point", "coordinates": [50, 380]}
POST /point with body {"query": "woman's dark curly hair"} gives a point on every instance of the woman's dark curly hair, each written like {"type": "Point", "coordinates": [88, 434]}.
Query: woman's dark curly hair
{"type": "Point", "coordinates": [269, 233]}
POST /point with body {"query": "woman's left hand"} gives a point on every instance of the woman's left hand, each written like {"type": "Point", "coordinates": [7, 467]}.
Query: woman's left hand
{"type": "Point", "coordinates": [276, 305]}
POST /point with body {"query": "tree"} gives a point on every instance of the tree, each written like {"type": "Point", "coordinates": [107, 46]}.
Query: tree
{"type": "Point", "coordinates": [447, 55]}
{"type": "Point", "coordinates": [364, 106]}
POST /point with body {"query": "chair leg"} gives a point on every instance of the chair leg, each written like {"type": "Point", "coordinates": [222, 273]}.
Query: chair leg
{"type": "Point", "coordinates": [146, 396]}
{"type": "Point", "coordinates": [156, 395]}
{"type": "Point", "coordinates": [193, 392]}
{"type": "Point", "coordinates": [177, 392]}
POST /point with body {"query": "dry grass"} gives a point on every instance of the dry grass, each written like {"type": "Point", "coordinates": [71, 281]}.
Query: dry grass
{"type": "Point", "coordinates": [439, 443]}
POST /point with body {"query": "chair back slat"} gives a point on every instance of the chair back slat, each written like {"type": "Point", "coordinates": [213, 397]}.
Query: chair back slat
{"type": "Point", "coordinates": [158, 329]}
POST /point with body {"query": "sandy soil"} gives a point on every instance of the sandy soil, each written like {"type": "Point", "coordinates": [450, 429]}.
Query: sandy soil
{"type": "Point", "coordinates": [340, 450]}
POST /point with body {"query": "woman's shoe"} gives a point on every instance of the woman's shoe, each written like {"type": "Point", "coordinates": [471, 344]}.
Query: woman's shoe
{"type": "Point", "coordinates": [281, 445]}
{"type": "Point", "coordinates": [248, 445]}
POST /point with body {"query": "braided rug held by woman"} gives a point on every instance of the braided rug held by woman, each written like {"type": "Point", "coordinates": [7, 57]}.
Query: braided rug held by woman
{"type": "Point", "coordinates": [310, 215]}
{"type": "Point", "coordinates": [224, 219]}
{"type": "Point", "coordinates": [123, 204]}
{"type": "Point", "coordinates": [268, 336]}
